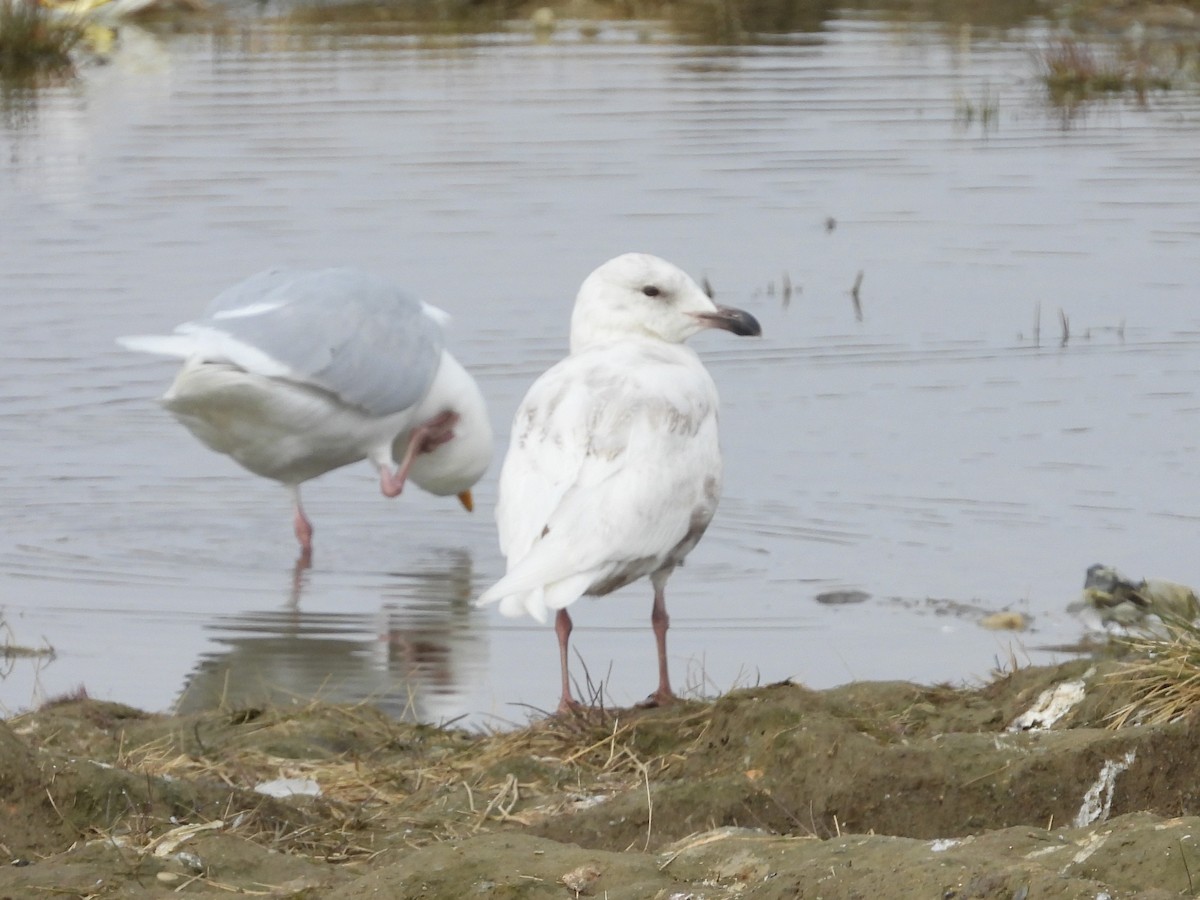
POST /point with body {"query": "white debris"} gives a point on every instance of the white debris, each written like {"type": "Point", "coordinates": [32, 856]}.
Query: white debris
{"type": "Point", "coordinates": [165, 845]}
{"type": "Point", "coordinates": [1051, 705]}
{"type": "Point", "coordinates": [190, 861]}
{"type": "Point", "coordinates": [941, 845]}
{"type": "Point", "coordinates": [584, 801]}
{"type": "Point", "coordinates": [1098, 800]}
{"type": "Point", "coordinates": [1043, 851]}
{"type": "Point", "coordinates": [289, 787]}
{"type": "Point", "coordinates": [1090, 845]}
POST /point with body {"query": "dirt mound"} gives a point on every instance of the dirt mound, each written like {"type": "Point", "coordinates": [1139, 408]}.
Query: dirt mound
{"type": "Point", "coordinates": [898, 759]}
{"type": "Point", "coordinates": [1015, 788]}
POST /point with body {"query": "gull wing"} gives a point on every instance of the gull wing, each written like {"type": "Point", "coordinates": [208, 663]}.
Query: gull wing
{"type": "Point", "coordinates": [347, 332]}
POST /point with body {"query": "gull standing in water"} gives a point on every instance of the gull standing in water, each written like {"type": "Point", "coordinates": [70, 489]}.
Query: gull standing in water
{"type": "Point", "coordinates": [295, 373]}
{"type": "Point", "coordinates": [614, 468]}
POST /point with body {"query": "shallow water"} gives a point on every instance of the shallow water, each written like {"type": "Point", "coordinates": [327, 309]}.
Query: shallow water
{"type": "Point", "coordinates": [938, 454]}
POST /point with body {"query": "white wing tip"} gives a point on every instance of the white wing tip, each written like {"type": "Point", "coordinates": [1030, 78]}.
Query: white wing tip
{"type": "Point", "coordinates": [159, 344]}
{"type": "Point", "coordinates": [438, 315]}
{"type": "Point", "coordinates": [250, 309]}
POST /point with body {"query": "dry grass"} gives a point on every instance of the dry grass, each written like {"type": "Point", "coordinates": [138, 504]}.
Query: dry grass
{"type": "Point", "coordinates": [421, 784]}
{"type": "Point", "coordinates": [400, 18]}
{"type": "Point", "coordinates": [10, 649]}
{"type": "Point", "coordinates": [1074, 72]}
{"type": "Point", "coordinates": [1164, 679]}
{"type": "Point", "coordinates": [33, 40]}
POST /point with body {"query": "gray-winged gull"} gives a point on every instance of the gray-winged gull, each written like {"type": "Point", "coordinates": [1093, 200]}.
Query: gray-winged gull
{"type": "Point", "coordinates": [295, 373]}
{"type": "Point", "coordinates": [614, 468]}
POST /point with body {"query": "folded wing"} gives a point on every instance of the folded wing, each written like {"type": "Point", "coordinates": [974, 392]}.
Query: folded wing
{"type": "Point", "coordinates": [613, 463]}
{"type": "Point", "coordinates": [349, 333]}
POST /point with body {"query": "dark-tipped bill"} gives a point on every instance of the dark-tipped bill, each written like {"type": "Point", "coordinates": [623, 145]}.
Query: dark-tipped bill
{"type": "Point", "coordinates": [738, 321]}
{"type": "Point", "coordinates": [467, 501]}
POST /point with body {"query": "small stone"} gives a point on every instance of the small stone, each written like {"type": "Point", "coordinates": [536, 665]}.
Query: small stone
{"type": "Point", "coordinates": [581, 881]}
{"type": "Point", "coordinates": [842, 598]}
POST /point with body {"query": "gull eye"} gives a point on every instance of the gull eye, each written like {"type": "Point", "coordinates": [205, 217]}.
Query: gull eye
{"type": "Point", "coordinates": [651, 291]}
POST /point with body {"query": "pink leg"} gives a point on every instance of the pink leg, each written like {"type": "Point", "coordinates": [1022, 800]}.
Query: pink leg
{"type": "Point", "coordinates": [390, 485]}
{"type": "Point", "coordinates": [303, 527]}
{"type": "Point", "coordinates": [425, 437]}
{"type": "Point", "coordinates": [661, 622]}
{"type": "Point", "coordinates": [562, 628]}
{"type": "Point", "coordinates": [303, 564]}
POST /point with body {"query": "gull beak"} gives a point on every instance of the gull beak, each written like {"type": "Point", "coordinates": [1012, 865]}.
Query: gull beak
{"type": "Point", "coordinates": [728, 318]}
{"type": "Point", "coordinates": [467, 501]}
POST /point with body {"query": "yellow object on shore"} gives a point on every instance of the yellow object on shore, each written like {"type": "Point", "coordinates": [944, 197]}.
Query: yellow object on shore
{"type": "Point", "coordinates": [110, 10]}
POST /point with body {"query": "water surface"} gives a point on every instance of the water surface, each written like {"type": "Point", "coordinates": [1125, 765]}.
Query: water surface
{"type": "Point", "coordinates": [942, 453]}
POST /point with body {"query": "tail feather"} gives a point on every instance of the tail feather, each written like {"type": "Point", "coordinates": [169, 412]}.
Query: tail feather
{"type": "Point", "coordinates": [531, 602]}
{"type": "Point", "coordinates": [517, 596]}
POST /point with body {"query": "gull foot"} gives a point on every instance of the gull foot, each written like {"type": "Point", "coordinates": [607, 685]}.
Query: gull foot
{"type": "Point", "coordinates": [657, 699]}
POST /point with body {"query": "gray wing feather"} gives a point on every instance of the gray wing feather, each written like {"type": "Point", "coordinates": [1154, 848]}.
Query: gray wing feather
{"type": "Point", "coordinates": [349, 332]}
{"type": "Point", "coordinates": [258, 288]}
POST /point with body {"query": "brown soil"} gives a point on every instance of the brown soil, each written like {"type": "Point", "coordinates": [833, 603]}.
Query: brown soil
{"type": "Point", "coordinates": [869, 790]}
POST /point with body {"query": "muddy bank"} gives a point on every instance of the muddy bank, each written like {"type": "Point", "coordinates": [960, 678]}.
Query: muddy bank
{"type": "Point", "coordinates": [1014, 788]}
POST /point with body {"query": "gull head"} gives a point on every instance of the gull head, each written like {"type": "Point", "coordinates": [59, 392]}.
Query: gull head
{"type": "Point", "coordinates": [639, 295]}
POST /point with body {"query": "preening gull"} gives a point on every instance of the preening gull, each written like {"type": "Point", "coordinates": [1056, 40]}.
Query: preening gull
{"type": "Point", "coordinates": [295, 373]}
{"type": "Point", "coordinates": [614, 468]}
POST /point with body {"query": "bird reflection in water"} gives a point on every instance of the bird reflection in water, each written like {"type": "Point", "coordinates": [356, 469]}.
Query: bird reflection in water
{"type": "Point", "coordinates": [416, 659]}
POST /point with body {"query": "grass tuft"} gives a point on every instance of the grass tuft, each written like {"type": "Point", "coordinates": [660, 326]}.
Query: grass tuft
{"type": "Point", "coordinates": [1073, 72]}
{"type": "Point", "coordinates": [1164, 679]}
{"type": "Point", "coordinates": [33, 40]}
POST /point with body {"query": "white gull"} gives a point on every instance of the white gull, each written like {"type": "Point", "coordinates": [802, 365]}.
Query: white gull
{"type": "Point", "coordinates": [614, 468]}
{"type": "Point", "coordinates": [295, 373]}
